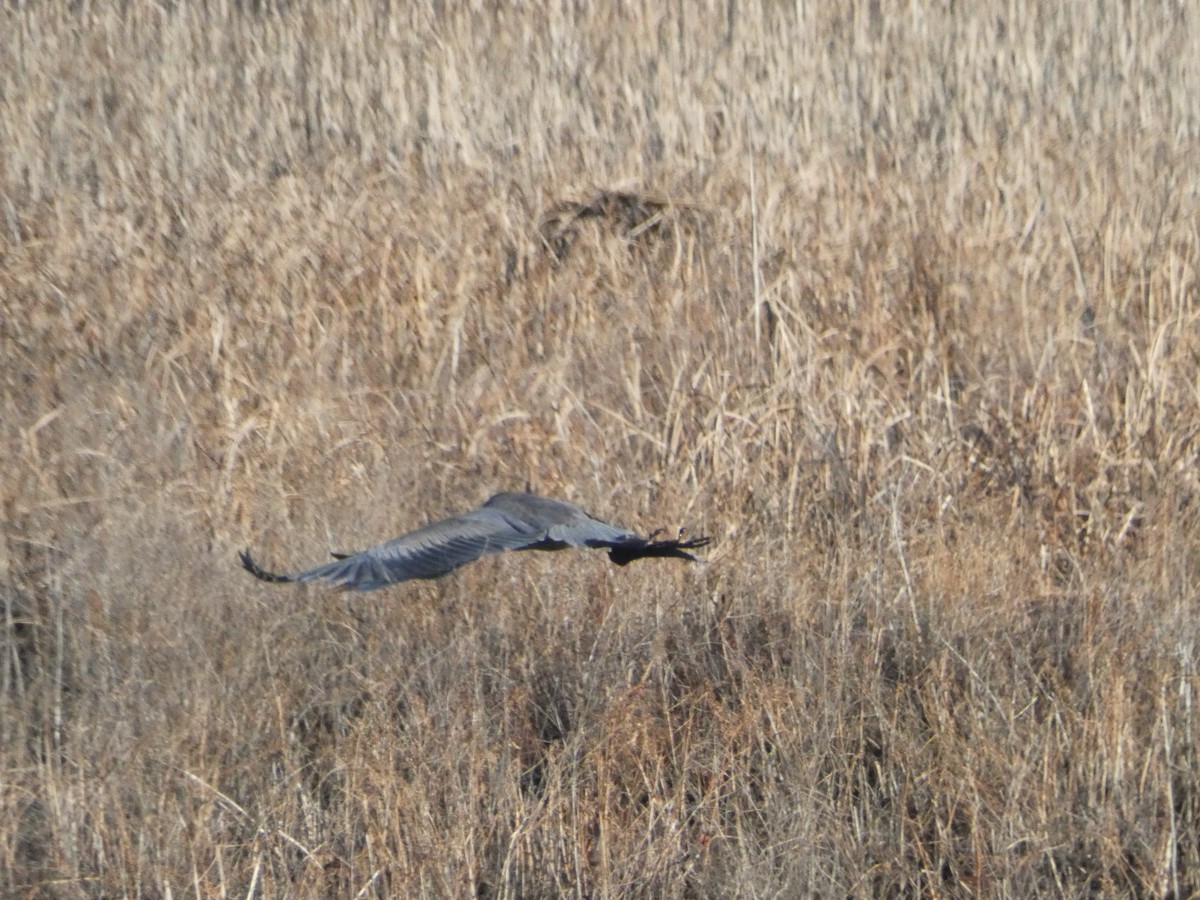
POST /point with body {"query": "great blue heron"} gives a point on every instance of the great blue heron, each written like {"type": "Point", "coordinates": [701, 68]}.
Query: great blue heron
{"type": "Point", "coordinates": [513, 521]}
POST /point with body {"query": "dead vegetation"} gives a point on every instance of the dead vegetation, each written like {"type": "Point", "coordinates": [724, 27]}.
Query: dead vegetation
{"type": "Point", "coordinates": [628, 214]}
{"type": "Point", "coordinates": [901, 308]}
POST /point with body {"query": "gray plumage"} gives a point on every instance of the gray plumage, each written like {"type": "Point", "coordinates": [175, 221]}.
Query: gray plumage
{"type": "Point", "coordinates": [512, 521]}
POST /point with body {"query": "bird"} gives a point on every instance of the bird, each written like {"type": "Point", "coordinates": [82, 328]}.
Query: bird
{"type": "Point", "coordinates": [507, 521]}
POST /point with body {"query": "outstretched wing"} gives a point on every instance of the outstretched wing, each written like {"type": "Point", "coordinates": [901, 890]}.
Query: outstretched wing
{"type": "Point", "coordinates": [511, 521]}
{"type": "Point", "coordinates": [429, 552]}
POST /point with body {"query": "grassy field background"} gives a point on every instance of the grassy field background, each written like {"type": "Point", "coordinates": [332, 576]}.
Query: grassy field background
{"type": "Point", "coordinates": [899, 303]}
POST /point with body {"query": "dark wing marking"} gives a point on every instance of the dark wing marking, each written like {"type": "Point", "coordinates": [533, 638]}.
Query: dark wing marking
{"type": "Point", "coordinates": [625, 552]}
{"type": "Point", "coordinates": [570, 526]}
{"type": "Point", "coordinates": [258, 571]}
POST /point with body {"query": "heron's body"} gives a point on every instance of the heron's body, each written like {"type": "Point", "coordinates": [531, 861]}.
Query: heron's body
{"type": "Point", "coordinates": [511, 521]}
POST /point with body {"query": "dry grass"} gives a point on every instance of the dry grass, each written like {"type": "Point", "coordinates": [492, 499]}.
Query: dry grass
{"type": "Point", "coordinates": [901, 307]}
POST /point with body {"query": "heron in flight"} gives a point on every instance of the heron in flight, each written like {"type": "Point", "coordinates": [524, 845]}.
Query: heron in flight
{"type": "Point", "coordinates": [511, 521]}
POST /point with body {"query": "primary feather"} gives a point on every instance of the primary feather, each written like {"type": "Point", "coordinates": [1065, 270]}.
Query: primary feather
{"type": "Point", "coordinates": [510, 521]}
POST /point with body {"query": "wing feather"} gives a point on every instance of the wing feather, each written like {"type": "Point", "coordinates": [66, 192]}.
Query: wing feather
{"type": "Point", "coordinates": [429, 552]}
{"type": "Point", "coordinates": [589, 532]}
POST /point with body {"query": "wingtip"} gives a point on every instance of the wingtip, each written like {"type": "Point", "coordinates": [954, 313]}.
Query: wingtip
{"type": "Point", "coordinates": [258, 571]}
